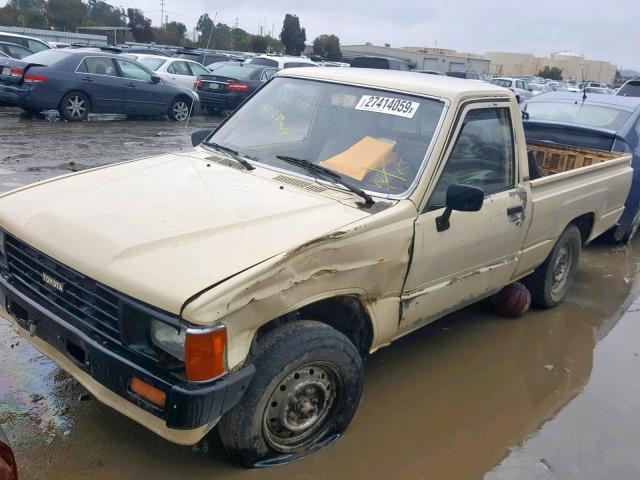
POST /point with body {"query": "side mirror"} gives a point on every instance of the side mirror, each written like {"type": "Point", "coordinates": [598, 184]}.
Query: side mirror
{"type": "Point", "coordinates": [155, 79]}
{"type": "Point", "coordinates": [199, 136]}
{"type": "Point", "coordinates": [463, 198]}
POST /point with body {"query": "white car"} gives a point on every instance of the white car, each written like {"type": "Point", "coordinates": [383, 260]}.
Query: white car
{"type": "Point", "coordinates": [281, 62]}
{"type": "Point", "coordinates": [516, 85]}
{"type": "Point", "coordinates": [34, 44]}
{"type": "Point", "coordinates": [538, 88]}
{"type": "Point", "coordinates": [180, 71]}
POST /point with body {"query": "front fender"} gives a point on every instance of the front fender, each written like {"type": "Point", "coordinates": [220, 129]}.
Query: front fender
{"type": "Point", "coordinates": [369, 260]}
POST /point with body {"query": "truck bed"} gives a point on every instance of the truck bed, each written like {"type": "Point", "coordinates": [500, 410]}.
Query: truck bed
{"type": "Point", "coordinates": [555, 158]}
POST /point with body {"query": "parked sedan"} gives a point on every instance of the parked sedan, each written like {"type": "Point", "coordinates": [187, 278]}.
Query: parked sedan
{"type": "Point", "coordinates": [8, 467]}
{"type": "Point", "coordinates": [599, 122]}
{"type": "Point", "coordinates": [175, 70]}
{"type": "Point", "coordinates": [77, 82]}
{"type": "Point", "coordinates": [14, 51]}
{"type": "Point", "coordinates": [517, 86]}
{"type": "Point", "coordinates": [230, 85]}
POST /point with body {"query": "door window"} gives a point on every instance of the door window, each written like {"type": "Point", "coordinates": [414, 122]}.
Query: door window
{"type": "Point", "coordinates": [179, 68]}
{"type": "Point", "coordinates": [98, 66]}
{"type": "Point", "coordinates": [133, 71]}
{"type": "Point", "coordinates": [483, 155]}
{"type": "Point", "coordinates": [197, 69]}
{"type": "Point", "coordinates": [520, 84]}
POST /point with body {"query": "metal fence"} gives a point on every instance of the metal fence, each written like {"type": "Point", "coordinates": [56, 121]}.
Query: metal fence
{"type": "Point", "coordinates": [55, 36]}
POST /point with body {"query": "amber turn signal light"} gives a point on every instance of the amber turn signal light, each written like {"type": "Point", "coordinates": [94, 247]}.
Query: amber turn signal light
{"type": "Point", "coordinates": [148, 392]}
{"type": "Point", "coordinates": [204, 354]}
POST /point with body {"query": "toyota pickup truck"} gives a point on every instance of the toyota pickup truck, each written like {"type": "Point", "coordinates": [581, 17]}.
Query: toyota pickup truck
{"type": "Point", "coordinates": [241, 283]}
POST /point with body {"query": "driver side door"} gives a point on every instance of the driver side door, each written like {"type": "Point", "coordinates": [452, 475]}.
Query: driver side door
{"type": "Point", "coordinates": [142, 95]}
{"type": "Point", "coordinates": [479, 252]}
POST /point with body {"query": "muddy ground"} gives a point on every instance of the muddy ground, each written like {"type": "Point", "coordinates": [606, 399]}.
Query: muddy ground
{"type": "Point", "coordinates": [552, 395]}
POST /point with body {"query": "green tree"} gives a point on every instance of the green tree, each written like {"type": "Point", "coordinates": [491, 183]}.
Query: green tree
{"type": "Point", "coordinates": [140, 25]}
{"type": "Point", "coordinates": [65, 14]}
{"type": "Point", "coordinates": [552, 73]}
{"type": "Point", "coordinates": [24, 13]}
{"type": "Point", "coordinates": [178, 28]}
{"type": "Point", "coordinates": [259, 44]}
{"type": "Point", "coordinates": [204, 27]}
{"type": "Point", "coordinates": [9, 16]}
{"type": "Point", "coordinates": [240, 40]}
{"type": "Point", "coordinates": [221, 37]}
{"type": "Point", "coordinates": [328, 47]}
{"type": "Point", "coordinates": [292, 35]}
{"type": "Point", "coordinates": [103, 14]}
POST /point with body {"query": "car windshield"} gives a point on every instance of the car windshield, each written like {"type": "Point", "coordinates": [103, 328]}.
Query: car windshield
{"type": "Point", "coordinates": [264, 61]}
{"type": "Point", "coordinates": [152, 63]}
{"type": "Point", "coordinates": [376, 140]}
{"type": "Point", "coordinates": [501, 82]}
{"type": "Point", "coordinates": [577, 113]}
{"type": "Point", "coordinates": [630, 89]}
{"type": "Point", "coordinates": [235, 71]}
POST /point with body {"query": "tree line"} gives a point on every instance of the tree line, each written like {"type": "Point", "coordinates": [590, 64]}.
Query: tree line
{"type": "Point", "coordinates": [69, 15]}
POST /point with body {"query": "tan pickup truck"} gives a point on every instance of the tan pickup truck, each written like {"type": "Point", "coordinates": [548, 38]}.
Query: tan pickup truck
{"type": "Point", "coordinates": [241, 283]}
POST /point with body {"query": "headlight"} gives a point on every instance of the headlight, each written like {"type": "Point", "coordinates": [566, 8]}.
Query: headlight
{"type": "Point", "coordinates": [168, 338]}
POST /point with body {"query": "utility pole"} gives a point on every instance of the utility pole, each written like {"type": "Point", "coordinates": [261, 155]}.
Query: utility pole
{"type": "Point", "coordinates": [236, 26]}
{"type": "Point", "coordinates": [162, 13]}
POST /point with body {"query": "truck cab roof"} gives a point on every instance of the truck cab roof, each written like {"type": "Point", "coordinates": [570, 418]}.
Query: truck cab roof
{"type": "Point", "coordinates": [410, 82]}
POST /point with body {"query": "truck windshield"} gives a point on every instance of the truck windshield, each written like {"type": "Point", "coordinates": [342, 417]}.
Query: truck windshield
{"type": "Point", "coordinates": [577, 113]}
{"type": "Point", "coordinates": [377, 140]}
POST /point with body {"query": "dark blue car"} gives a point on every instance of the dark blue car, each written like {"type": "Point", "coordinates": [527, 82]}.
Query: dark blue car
{"type": "Point", "coordinates": [77, 82]}
{"type": "Point", "coordinates": [601, 122]}
{"type": "Point", "coordinates": [230, 85]}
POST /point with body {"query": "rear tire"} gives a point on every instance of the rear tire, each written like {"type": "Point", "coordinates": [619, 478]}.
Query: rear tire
{"type": "Point", "coordinates": [75, 107]}
{"type": "Point", "coordinates": [180, 109]}
{"type": "Point", "coordinates": [551, 280]}
{"type": "Point", "coordinates": [632, 230]}
{"type": "Point", "coordinates": [306, 389]}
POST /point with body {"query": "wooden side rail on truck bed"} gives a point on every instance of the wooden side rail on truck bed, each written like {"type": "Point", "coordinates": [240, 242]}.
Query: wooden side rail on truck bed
{"type": "Point", "coordinates": [554, 158]}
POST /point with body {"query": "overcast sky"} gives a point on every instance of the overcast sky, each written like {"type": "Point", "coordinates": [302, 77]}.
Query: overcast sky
{"type": "Point", "coordinates": [602, 30]}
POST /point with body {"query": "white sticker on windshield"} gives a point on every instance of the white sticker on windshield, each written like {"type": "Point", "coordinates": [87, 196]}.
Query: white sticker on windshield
{"type": "Point", "coordinates": [390, 106]}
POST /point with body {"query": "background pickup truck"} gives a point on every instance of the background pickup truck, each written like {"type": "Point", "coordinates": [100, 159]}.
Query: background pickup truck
{"type": "Point", "coordinates": [240, 284]}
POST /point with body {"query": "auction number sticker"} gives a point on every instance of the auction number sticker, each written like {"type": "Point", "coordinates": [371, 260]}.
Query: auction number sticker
{"type": "Point", "coordinates": [390, 106]}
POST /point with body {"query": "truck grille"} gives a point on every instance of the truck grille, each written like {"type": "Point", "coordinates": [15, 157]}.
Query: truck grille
{"type": "Point", "coordinates": [77, 298]}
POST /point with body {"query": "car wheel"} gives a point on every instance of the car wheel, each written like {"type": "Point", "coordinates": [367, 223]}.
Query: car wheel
{"type": "Point", "coordinates": [75, 107]}
{"type": "Point", "coordinates": [551, 280]}
{"type": "Point", "coordinates": [305, 391]}
{"type": "Point", "coordinates": [632, 230]}
{"type": "Point", "coordinates": [179, 110]}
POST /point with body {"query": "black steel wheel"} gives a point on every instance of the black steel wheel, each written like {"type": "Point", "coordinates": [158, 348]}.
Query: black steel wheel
{"type": "Point", "coordinates": [551, 280]}
{"type": "Point", "coordinates": [305, 390]}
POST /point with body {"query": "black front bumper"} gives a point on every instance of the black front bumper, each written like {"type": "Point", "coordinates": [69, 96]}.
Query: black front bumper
{"type": "Point", "coordinates": [188, 405]}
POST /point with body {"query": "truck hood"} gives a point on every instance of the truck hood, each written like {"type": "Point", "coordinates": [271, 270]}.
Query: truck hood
{"type": "Point", "coordinates": [164, 228]}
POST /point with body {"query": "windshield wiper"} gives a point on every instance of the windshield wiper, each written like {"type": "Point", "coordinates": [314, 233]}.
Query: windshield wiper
{"type": "Point", "coordinates": [316, 169]}
{"type": "Point", "coordinates": [232, 153]}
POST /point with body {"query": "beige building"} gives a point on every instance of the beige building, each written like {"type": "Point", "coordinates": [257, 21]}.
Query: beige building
{"type": "Point", "coordinates": [574, 65]}
{"type": "Point", "coordinates": [438, 59]}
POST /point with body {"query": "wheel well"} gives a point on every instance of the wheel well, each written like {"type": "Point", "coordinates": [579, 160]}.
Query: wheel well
{"type": "Point", "coordinates": [77, 91]}
{"type": "Point", "coordinates": [346, 314]}
{"type": "Point", "coordinates": [584, 224]}
{"type": "Point", "coordinates": [184, 97]}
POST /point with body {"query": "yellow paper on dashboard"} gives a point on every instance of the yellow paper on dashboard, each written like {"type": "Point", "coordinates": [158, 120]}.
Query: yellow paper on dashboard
{"type": "Point", "coordinates": [362, 157]}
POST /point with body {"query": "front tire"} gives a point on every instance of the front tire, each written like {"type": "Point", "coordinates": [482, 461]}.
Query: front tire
{"type": "Point", "coordinates": [306, 389]}
{"type": "Point", "coordinates": [551, 280]}
{"type": "Point", "coordinates": [75, 107]}
{"type": "Point", "coordinates": [180, 109]}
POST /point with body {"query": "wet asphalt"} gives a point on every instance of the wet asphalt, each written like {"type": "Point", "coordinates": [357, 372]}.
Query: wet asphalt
{"type": "Point", "coordinates": [552, 395]}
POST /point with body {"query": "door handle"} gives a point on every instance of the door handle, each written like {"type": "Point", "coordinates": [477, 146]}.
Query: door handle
{"type": "Point", "coordinates": [87, 79]}
{"type": "Point", "coordinates": [131, 84]}
{"type": "Point", "coordinates": [515, 210]}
